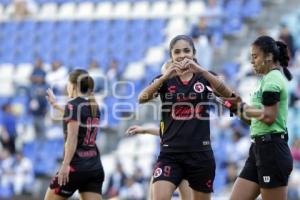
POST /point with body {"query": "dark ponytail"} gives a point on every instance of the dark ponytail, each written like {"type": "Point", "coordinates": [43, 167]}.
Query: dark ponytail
{"type": "Point", "coordinates": [283, 58]}
{"type": "Point", "coordinates": [279, 51]}
{"type": "Point", "coordinates": [91, 97]}
{"type": "Point", "coordinates": [85, 84]}
{"type": "Point", "coordinates": [87, 88]}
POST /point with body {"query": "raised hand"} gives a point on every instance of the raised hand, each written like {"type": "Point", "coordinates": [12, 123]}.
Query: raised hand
{"type": "Point", "coordinates": [170, 71]}
{"type": "Point", "coordinates": [194, 66]}
{"type": "Point", "coordinates": [181, 67]}
{"type": "Point", "coordinates": [51, 97]}
{"type": "Point", "coordinates": [52, 100]}
{"type": "Point", "coordinates": [135, 129]}
{"type": "Point", "coordinates": [166, 66]}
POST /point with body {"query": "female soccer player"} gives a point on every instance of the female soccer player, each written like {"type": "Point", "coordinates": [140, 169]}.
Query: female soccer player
{"type": "Point", "coordinates": [184, 129]}
{"type": "Point", "coordinates": [81, 168]}
{"type": "Point", "coordinates": [270, 163]}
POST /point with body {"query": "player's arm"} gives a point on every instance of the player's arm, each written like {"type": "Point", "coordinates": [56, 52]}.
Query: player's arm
{"type": "Point", "coordinates": [150, 91]}
{"type": "Point", "coordinates": [135, 129]}
{"type": "Point", "coordinates": [267, 114]}
{"type": "Point", "coordinates": [70, 148]}
{"type": "Point", "coordinates": [71, 142]}
{"type": "Point", "coordinates": [217, 85]}
{"type": "Point", "coordinates": [52, 101]}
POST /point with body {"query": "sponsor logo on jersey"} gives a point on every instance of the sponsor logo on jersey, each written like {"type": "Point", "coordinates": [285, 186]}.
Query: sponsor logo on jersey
{"type": "Point", "coordinates": [157, 172]}
{"type": "Point", "coordinates": [70, 106]}
{"type": "Point", "coordinates": [199, 87]}
{"type": "Point", "coordinates": [172, 89]}
{"type": "Point", "coordinates": [209, 183]}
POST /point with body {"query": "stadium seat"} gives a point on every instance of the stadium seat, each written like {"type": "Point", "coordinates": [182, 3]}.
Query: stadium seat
{"type": "Point", "coordinates": [220, 180]}
{"type": "Point", "coordinates": [109, 114]}
{"type": "Point", "coordinates": [67, 11]}
{"type": "Point", "coordinates": [48, 11]}
{"type": "Point", "coordinates": [159, 9]}
{"type": "Point", "coordinates": [140, 10]}
{"type": "Point", "coordinates": [177, 9]}
{"type": "Point", "coordinates": [83, 26]}
{"type": "Point", "coordinates": [57, 144]}
{"type": "Point", "coordinates": [232, 25]}
{"type": "Point", "coordinates": [64, 27]}
{"type": "Point", "coordinates": [85, 11]}
{"type": "Point", "coordinates": [233, 8]}
{"type": "Point", "coordinates": [230, 69]}
{"type": "Point", "coordinates": [251, 8]}
{"type": "Point", "coordinates": [2, 12]}
{"type": "Point", "coordinates": [30, 150]}
{"type": "Point", "coordinates": [195, 8]}
{"type": "Point", "coordinates": [118, 26]}
{"type": "Point", "coordinates": [79, 58]}
{"type": "Point", "coordinates": [157, 24]}
{"type": "Point", "coordinates": [11, 27]}
{"type": "Point", "coordinates": [3, 100]}
{"type": "Point", "coordinates": [45, 27]}
{"type": "Point", "coordinates": [121, 10]}
{"type": "Point", "coordinates": [5, 2]}
{"type": "Point", "coordinates": [100, 27]}
{"type": "Point", "coordinates": [104, 10]}
{"type": "Point", "coordinates": [6, 192]}
{"type": "Point", "coordinates": [27, 26]}
{"type": "Point", "coordinates": [23, 72]}
{"type": "Point", "coordinates": [175, 26]}
{"type": "Point", "coordinates": [127, 147]}
{"type": "Point", "coordinates": [44, 166]}
{"type": "Point", "coordinates": [152, 70]}
{"type": "Point", "coordinates": [139, 25]}
{"type": "Point", "coordinates": [217, 39]}
{"type": "Point", "coordinates": [154, 55]}
{"type": "Point", "coordinates": [134, 71]}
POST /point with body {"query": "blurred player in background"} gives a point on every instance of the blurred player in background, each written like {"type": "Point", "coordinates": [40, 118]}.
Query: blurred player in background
{"type": "Point", "coordinates": [8, 128]}
{"type": "Point", "coordinates": [81, 168]}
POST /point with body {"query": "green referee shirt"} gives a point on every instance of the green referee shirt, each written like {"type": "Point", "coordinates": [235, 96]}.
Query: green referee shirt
{"type": "Point", "coordinates": [273, 81]}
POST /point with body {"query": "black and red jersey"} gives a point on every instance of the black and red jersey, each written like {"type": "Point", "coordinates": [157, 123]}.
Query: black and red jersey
{"type": "Point", "coordinates": [185, 125]}
{"type": "Point", "coordinates": [87, 156]}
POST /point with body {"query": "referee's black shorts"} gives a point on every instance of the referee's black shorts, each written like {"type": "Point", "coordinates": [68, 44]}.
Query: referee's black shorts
{"type": "Point", "coordinates": [269, 163]}
{"type": "Point", "coordinates": [84, 181]}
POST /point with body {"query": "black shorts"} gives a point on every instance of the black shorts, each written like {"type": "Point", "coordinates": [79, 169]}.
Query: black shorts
{"type": "Point", "coordinates": [269, 163]}
{"type": "Point", "coordinates": [84, 181]}
{"type": "Point", "coordinates": [198, 168]}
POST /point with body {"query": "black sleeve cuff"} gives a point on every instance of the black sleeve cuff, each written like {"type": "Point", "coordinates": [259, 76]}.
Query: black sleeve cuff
{"type": "Point", "coordinates": [270, 98]}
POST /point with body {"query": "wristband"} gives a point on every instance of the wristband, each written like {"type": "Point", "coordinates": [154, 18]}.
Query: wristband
{"type": "Point", "coordinates": [241, 108]}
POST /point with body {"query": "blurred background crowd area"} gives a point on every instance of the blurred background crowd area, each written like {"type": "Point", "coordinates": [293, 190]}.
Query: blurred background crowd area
{"type": "Point", "coordinates": [123, 44]}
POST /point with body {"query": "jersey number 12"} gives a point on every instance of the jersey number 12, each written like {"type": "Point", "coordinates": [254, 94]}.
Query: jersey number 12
{"type": "Point", "coordinates": [92, 129]}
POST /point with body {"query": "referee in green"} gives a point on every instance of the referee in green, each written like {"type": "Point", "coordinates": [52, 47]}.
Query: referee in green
{"type": "Point", "coordinates": [270, 163]}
